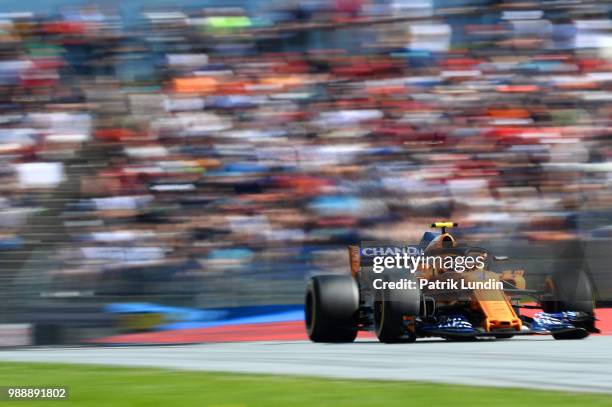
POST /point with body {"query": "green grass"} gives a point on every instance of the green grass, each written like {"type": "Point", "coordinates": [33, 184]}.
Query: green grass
{"type": "Point", "coordinates": [112, 386]}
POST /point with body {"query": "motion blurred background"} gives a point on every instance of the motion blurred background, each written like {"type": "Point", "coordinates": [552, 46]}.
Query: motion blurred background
{"type": "Point", "coordinates": [213, 154]}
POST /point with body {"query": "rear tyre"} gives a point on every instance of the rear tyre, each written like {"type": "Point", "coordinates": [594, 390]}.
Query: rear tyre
{"type": "Point", "coordinates": [331, 306]}
{"type": "Point", "coordinates": [390, 308]}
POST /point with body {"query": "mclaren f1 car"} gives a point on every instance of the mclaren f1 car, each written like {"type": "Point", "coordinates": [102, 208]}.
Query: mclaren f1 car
{"type": "Point", "coordinates": [337, 306]}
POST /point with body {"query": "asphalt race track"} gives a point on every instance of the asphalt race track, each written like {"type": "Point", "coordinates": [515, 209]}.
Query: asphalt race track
{"type": "Point", "coordinates": [542, 362]}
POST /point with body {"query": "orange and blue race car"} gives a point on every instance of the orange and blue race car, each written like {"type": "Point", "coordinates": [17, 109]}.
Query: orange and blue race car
{"type": "Point", "coordinates": [447, 298]}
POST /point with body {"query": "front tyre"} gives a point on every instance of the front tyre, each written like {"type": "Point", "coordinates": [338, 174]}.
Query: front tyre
{"type": "Point", "coordinates": [572, 291]}
{"type": "Point", "coordinates": [517, 311]}
{"type": "Point", "coordinates": [331, 307]}
{"type": "Point", "coordinates": [571, 335]}
{"type": "Point", "coordinates": [503, 336]}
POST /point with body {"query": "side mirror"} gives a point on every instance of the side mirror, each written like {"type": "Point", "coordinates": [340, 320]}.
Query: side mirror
{"type": "Point", "coordinates": [501, 258]}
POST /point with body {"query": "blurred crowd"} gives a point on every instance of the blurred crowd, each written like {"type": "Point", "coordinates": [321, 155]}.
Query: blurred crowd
{"type": "Point", "coordinates": [201, 142]}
